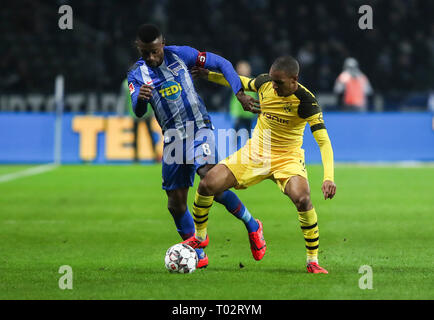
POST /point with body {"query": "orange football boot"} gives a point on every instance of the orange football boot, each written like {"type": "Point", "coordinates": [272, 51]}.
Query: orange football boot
{"type": "Point", "coordinates": [257, 242]}
{"type": "Point", "coordinates": [313, 267]}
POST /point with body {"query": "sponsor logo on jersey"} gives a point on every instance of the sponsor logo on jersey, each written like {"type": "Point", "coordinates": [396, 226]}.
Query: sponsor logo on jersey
{"type": "Point", "coordinates": [275, 118]}
{"type": "Point", "coordinates": [287, 108]}
{"type": "Point", "coordinates": [170, 90]}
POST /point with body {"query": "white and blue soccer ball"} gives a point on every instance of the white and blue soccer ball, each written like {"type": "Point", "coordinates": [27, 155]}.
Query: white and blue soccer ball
{"type": "Point", "coordinates": [181, 258]}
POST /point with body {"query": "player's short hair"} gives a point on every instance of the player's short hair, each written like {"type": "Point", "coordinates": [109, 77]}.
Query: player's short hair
{"type": "Point", "coordinates": [287, 64]}
{"type": "Point", "coordinates": [148, 33]}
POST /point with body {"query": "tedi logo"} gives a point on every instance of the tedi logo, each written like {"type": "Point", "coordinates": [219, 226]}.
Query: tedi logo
{"type": "Point", "coordinates": [171, 90]}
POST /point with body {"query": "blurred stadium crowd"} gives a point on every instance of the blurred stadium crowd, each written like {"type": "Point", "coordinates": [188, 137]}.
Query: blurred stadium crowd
{"type": "Point", "coordinates": [397, 55]}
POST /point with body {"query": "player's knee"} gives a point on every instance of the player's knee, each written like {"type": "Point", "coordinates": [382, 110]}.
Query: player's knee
{"type": "Point", "coordinates": [206, 187]}
{"type": "Point", "coordinates": [202, 171]}
{"type": "Point", "coordinates": [303, 203]}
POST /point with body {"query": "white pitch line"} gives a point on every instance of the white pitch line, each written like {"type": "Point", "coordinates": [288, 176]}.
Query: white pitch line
{"type": "Point", "coordinates": [28, 172]}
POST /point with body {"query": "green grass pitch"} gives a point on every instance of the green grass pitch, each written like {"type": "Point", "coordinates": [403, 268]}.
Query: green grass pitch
{"type": "Point", "coordinates": [111, 225]}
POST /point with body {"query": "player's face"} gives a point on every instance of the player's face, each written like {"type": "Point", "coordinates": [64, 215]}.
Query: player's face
{"type": "Point", "coordinates": [283, 84]}
{"type": "Point", "coordinates": [152, 52]}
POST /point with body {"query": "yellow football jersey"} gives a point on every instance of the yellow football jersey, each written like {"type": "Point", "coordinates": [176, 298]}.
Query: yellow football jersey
{"type": "Point", "coordinates": [281, 124]}
{"type": "Point", "coordinates": [283, 119]}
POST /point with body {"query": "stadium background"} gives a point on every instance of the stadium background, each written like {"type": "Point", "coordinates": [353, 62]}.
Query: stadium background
{"type": "Point", "coordinates": [93, 57]}
{"type": "Point", "coordinates": [397, 56]}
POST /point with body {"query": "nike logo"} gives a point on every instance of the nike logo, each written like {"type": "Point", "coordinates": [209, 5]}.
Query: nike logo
{"type": "Point", "coordinates": [253, 245]}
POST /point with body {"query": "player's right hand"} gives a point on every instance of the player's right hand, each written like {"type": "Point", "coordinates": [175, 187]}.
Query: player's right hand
{"type": "Point", "coordinates": [328, 189]}
{"type": "Point", "coordinates": [248, 103]}
{"type": "Point", "coordinates": [145, 92]}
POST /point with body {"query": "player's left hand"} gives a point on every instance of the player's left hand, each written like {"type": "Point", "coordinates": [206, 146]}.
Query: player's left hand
{"type": "Point", "coordinates": [328, 189]}
{"type": "Point", "coordinates": [248, 103]}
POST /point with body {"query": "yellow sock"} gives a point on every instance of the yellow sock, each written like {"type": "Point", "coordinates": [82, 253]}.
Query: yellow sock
{"type": "Point", "coordinates": [309, 227]}
{"type": "Point", "coordinates": [201, 207]}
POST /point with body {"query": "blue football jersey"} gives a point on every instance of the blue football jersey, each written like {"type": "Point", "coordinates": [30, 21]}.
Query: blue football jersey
{"type": "Point", "coordinates": [174, 98]}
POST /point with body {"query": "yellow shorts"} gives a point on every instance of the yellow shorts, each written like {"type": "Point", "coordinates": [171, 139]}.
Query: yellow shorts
{"type": "Point", "coordinates": [250, 168]}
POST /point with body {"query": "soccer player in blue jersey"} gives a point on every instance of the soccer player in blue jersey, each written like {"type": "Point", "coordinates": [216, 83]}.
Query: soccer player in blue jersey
{"type": "Point", "coordinates": [162, 79]}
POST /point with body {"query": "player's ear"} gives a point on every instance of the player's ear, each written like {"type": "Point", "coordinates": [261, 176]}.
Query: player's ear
{"type": "Point", "coordinates": [136, 45]}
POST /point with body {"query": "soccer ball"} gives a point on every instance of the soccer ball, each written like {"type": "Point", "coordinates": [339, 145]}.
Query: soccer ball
{"type": "Point", "coordinates": [181, 258]}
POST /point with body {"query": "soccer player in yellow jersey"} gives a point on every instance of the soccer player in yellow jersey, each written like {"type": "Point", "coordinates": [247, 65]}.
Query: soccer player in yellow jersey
{"type": "Point", "coordinates": [274, 152]}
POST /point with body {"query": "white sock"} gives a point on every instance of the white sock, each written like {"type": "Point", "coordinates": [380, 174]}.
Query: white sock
{"type": "Point", "coordinates": [310, 259]}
